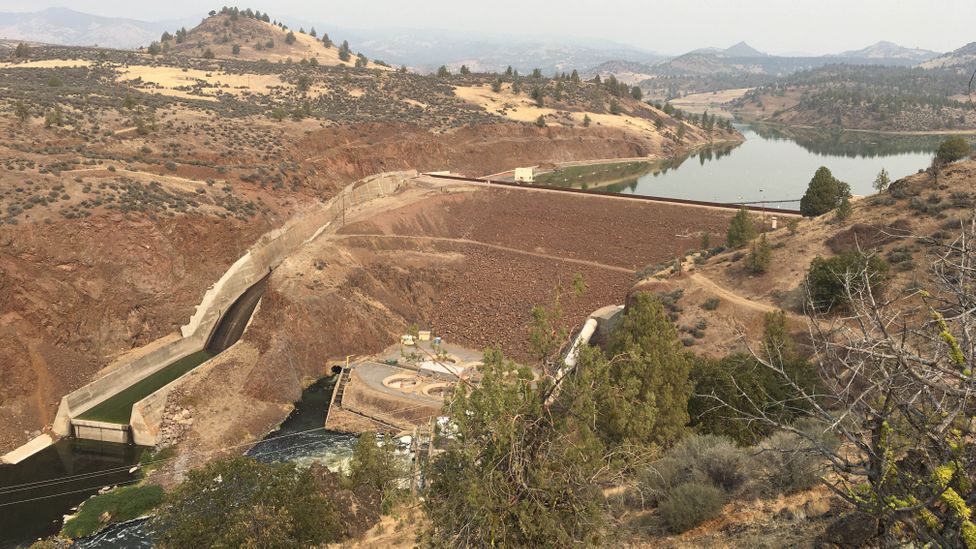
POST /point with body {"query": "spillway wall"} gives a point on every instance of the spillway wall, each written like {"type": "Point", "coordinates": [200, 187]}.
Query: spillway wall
{"type": "Point", "coordinates": [264, 256]}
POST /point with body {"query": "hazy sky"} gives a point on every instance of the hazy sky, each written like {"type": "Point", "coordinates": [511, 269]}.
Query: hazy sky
{"type": "Point", "coordinates": [674, 26]}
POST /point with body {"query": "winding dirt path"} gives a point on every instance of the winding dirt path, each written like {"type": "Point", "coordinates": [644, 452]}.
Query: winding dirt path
{"type": "Point", "coordinates": [729, 296]}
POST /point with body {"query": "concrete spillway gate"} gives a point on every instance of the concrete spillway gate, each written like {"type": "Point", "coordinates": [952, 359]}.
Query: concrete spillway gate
{"type": "Point", "coordinates": [101, 431]}
{"type": "Point", "coordinates": [111, 419]}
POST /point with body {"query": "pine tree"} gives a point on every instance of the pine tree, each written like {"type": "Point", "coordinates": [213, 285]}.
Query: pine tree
{"type": "Point", "coordinates": [375, 464]}
{"type": "Point", "coordinates": [741, 229]}
{"type": "Point", "coordinates": [824, 193]}
{"type": "Point", "coordinates": [496, 86]}
{"type": "Point", "coordinates": [538, 96]}
{"type": "Point", "coordinates": [844, 210]}
{"type": "Point", "coordinates": [344, 54]}
{"type": "Point", "coordinates": [952, 149]}
{"type": "Point", "coordinates": [575, 77]}
{"type": "Point", "coordinates": [290, 38]}
{"type": "Point", "coordinates": [882, 181]}
{"type": "Point", "coordinates": [21, 111]}
{"type": "Point", "coordinates": [586, 121]}
{"type": "Point", "coordinates": [760, 256]}
{"type": "Point", "coordinates": [649, 377]}
{"type": "Point", "coordinates": [442, 71]}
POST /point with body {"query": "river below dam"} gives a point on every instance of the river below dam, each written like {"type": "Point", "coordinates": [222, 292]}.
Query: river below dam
{"type": "Point", "coordinates": [773, 164]}
{"type": "Point", "coordinates": [36, 494]}
{"type": "Point", "coordinates": [300, 439]}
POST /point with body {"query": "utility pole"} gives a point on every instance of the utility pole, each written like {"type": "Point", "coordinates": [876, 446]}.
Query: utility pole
{"type": "Point", "coordinates": [762, 199]}
{"type": "Point", "coordinates": [416, 458]}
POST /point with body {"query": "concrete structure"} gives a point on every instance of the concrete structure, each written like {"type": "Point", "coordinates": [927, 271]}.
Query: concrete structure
{"type": "Point", "coordinates": [264, 256]}
{"type": "Point", "coordinates": [601, 319]}
{"type": "Point", "coordinates": [524, 175]}
{"type": "Point", "coordinates": [34, 446]}
{"type": "Point", "coordinates": [100, 431]}
{"type": "Point", "coordinates": [443, 370]}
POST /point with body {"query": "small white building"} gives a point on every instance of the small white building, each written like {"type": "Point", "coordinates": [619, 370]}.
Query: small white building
{"type": "Point", "coordinates": [444, 370]}
{"type": "Point", "coordinates": [524, 175]}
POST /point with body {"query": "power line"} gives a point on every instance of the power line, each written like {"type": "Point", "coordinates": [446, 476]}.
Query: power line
{"type": "Point", "coordinates": [133, 481]}
{"type": "Point", "coordinates": [61, 480]}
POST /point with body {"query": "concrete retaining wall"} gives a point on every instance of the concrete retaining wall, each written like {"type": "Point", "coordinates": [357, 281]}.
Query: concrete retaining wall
{"type": "Point", "coordinates": [98, 430]}
{"type": "Point", "coordinates": [265, 255]}
{"type": "Point", "coordinates": [80, 401]}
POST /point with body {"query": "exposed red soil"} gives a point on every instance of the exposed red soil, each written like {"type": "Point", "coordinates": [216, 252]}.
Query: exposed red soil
{"type": "Point", "coordinates": [619, 232]}
{"type": "Point", "coordinates": [347, 153]}
{"type": "Point", "coordinates": [475, 283]}
{"type": "Point", "coordinates": [77, 293]}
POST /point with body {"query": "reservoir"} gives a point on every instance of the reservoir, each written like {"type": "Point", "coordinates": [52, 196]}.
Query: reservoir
{"type": "Point", "coordinates": [773, 164]}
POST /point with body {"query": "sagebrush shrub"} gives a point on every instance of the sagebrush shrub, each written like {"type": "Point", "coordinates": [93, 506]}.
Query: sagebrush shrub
{"type": "Point", "coordinates": [691, 504]}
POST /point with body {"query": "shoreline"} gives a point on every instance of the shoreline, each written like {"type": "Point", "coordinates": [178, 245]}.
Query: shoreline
{"type": "Point", "coordinates": [920, 133]}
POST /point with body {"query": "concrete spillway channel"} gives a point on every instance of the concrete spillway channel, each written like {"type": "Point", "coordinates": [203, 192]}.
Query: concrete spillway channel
{"type": "Point", "coordinates": [111, 419]}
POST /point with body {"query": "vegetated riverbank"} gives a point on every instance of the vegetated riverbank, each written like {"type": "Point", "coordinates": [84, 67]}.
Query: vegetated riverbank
{"type": "Point", "coordinates": [107, 520]}
{"type": "Point", "coordinates": [759, 121]}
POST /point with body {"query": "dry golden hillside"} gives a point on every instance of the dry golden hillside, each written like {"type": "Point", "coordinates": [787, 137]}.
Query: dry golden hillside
{"type": "Point", "coordinates": [254, 40]}
{"type": "Point", "coordinates": [902, 225]}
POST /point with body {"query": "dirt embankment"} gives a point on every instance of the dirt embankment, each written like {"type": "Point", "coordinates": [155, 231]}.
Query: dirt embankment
{"type": "Point", "coordinates": [76, 293]}
{"type": "Point", "coordinates": [352, 152]}
{"type": "Point", "coordinates": [469, 262]}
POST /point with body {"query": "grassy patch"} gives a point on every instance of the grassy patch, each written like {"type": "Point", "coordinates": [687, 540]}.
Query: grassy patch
{"type": "Point", "coordinates": [151, 460]}
{"type": "Point", "coordinates": [121, 504]}
{"type": "Point", "coordinates": [594, 174]}
{"type": "Point", "coordinates": [118, 408]}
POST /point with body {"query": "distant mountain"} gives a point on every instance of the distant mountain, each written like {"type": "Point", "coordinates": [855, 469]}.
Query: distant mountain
{"type": "Point", "coordinates": [429, 49]}
{"type": "Point", "coordinates": [889, 51]}
{"type": "Point", "coordinates": [742, 50]}
{"type": "Point", "coordinates": [705, 64]}
{"type": "Point", "coordinates": [743, 59]}
{"type": "Point", "coordinates": [72, 28]}
{"type": "Point", "coordinates": [961, 57]}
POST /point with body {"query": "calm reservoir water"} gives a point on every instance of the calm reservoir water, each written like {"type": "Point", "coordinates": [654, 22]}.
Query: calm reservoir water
{"type": "Point", "coordinates": [777, 164]}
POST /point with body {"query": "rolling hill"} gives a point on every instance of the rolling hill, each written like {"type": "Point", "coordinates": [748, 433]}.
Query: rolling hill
{"type": "Point", "coordinates": [68, 27]}
{"type": "Point", "coordinates": [232, 35]}
{"type": "Point", "coordinates": [891, 52]}
{"type": "Point", "coordinates": [965, 55]}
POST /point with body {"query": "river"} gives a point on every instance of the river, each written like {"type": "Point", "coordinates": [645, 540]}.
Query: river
{"type": "Point", "coordinates": [772, 164]}
{"type": "Point", "coordinates": [776, 164]}
{"type": "Point", "coordinates": [300, 439]}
